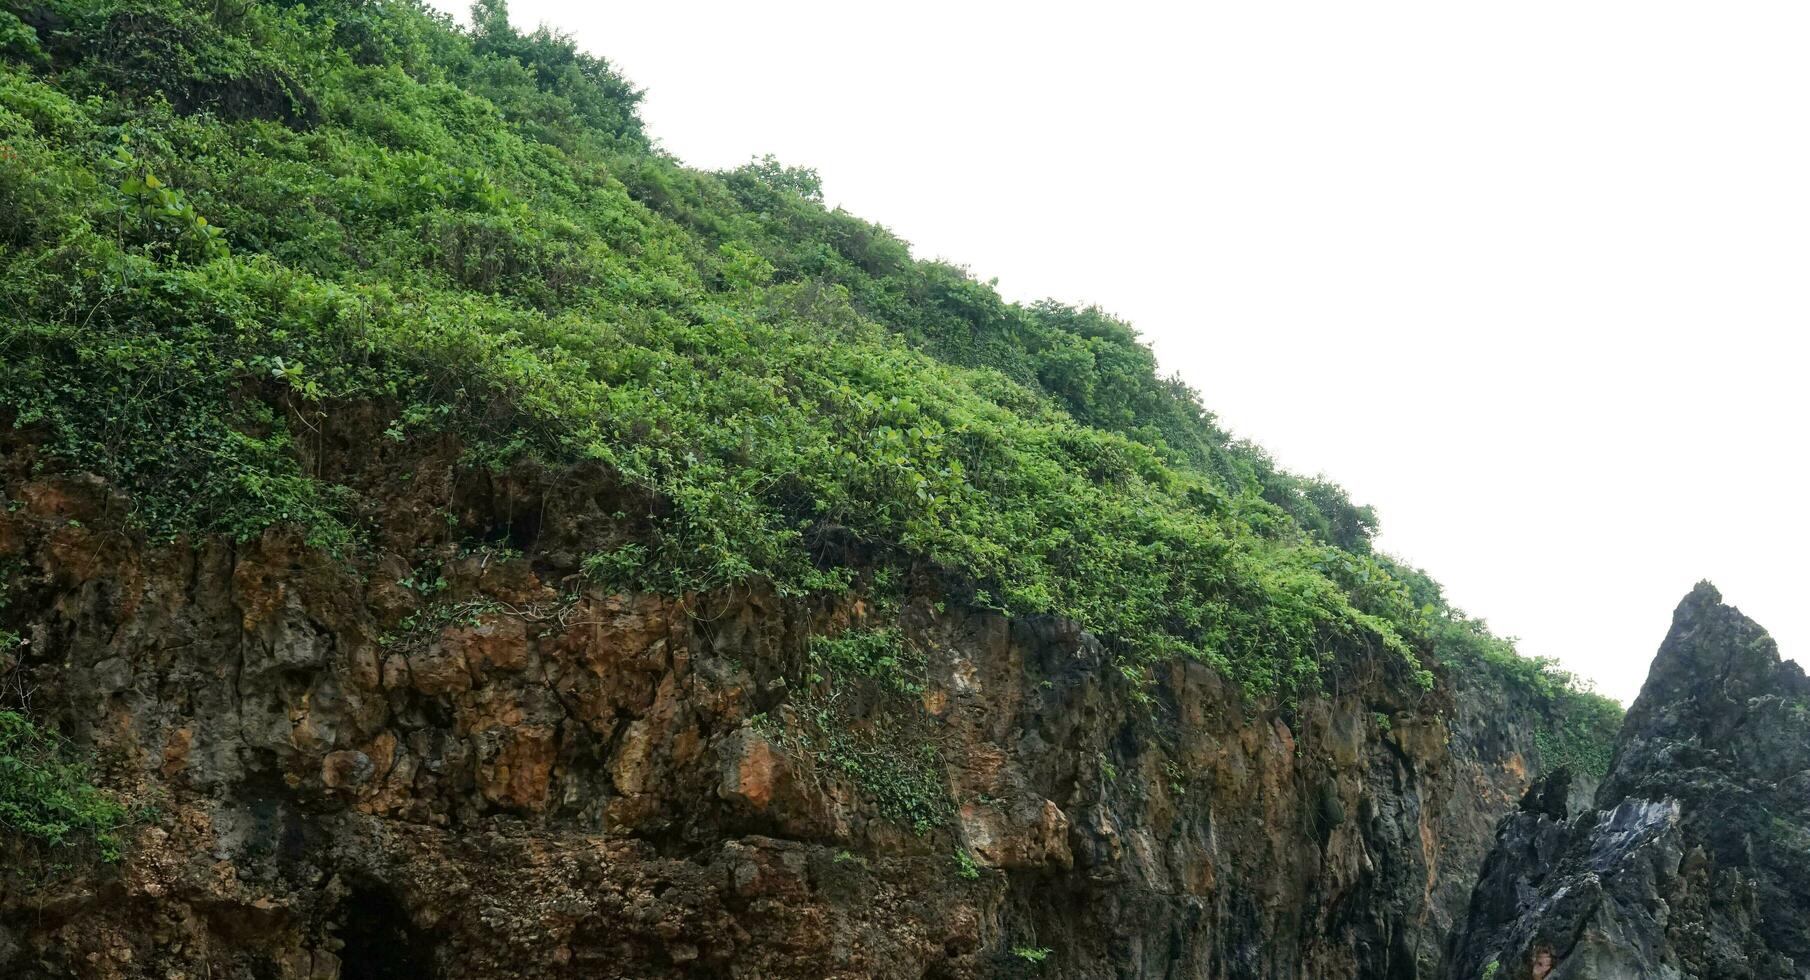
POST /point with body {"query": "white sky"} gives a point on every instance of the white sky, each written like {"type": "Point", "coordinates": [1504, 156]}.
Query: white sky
{"type": "Point", "coordinates": [1531, 278]}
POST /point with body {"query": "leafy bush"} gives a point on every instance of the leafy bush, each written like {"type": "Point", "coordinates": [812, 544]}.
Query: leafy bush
{"type": "Point", "coordinates": [175, 51]}
{"type": "Point", "coordinates": [1581, 733]}
{"type": "Point", "coordinates": [46, 799]}
{"type": "Point", "coordinates": [882, 654]}
{"type": "Point", "coordinates": [18, 40]}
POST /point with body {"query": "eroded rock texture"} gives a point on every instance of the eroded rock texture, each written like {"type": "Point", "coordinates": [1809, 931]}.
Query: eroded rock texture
{"type": "Point", "coordinates": [462, 762]}
{"type": "Point", "coordinates": [1694, 861]}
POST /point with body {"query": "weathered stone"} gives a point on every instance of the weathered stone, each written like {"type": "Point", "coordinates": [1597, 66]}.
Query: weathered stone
{"type": "Point", "coordinates": [348, 770]}
{"type": "Point", "coordinates": [1690, 863]}
{"type": "Point", "coordinates": [627, 786]}
{"type": "Point", "coordinates": [751, 770]}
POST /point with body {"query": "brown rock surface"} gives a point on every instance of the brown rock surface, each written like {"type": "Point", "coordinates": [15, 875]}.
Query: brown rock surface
{"type": "Point", "coordinates": [513, 775]}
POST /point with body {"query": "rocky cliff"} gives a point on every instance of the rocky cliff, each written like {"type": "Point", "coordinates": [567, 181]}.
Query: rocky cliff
{"type": "Point", "coordinates": [457, 759]}
{"type": "Point", "coordinates": [443, 535]}
{"type": "Point", "coordinates": [1691, 862]}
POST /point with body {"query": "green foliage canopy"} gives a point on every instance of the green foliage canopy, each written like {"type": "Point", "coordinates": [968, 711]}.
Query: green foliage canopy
{"type": "Point", "coordinates": [292, 208]}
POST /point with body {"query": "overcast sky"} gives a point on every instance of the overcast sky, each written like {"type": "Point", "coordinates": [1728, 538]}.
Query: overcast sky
{"type": "Point", "coordinates": [1532, 279]}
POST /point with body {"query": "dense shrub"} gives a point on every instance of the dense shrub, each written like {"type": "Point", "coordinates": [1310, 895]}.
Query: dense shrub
{"type": "Point", "coordinates": [46, 799]}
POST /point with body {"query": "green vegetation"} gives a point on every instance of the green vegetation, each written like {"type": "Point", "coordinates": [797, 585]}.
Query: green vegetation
{"type": "Point", "coordinates": [438, 616]}
{"type": "Point", "coordinates": [881, 654]}
{"type": "Point", "coordinates": [857, 716]}
{"type": "Point", "coordinates": [225, 228]}
{"type": "Point", "coordinates": [965, 868]}
{"type": "Point", "coordinates": [906, 786]}
{"type": "Point", "coordinates": [1580, 725]}
{"type": "Point", "coordinates": [1582, 736]}
{"type": "Point", "coordinates": [46, 799]}
{"type": "Point", "coordinates": [1032, 954]}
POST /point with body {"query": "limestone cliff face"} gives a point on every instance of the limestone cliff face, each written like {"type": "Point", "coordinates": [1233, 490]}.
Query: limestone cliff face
{"type": "Point", "coordinates": [505, 772]}
{"type": "Point", "coordinates": [1692, 863]}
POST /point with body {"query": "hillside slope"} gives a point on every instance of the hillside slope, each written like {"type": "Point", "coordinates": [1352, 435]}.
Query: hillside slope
{"type": "Point", "coordinates": [336, 340]}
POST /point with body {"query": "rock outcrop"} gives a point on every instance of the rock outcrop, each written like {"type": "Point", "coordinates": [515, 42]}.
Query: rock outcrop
{"type": "Point", "coordinates": [470, 763]}
{"type": "Point", "coordinates": [1694, 861]}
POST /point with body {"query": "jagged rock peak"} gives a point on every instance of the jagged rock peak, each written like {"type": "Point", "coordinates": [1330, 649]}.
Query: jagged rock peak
{"type": "Point", "coordinates": [1713, 651]}
{"type": "Point", "coordinates": [1691, 865]}
{"type": "Point", "coordinates": [1715, 673]}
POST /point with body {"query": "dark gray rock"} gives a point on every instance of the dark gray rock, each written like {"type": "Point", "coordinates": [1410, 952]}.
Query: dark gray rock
{"type": "Point", "coordinates": [1695, 860]}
